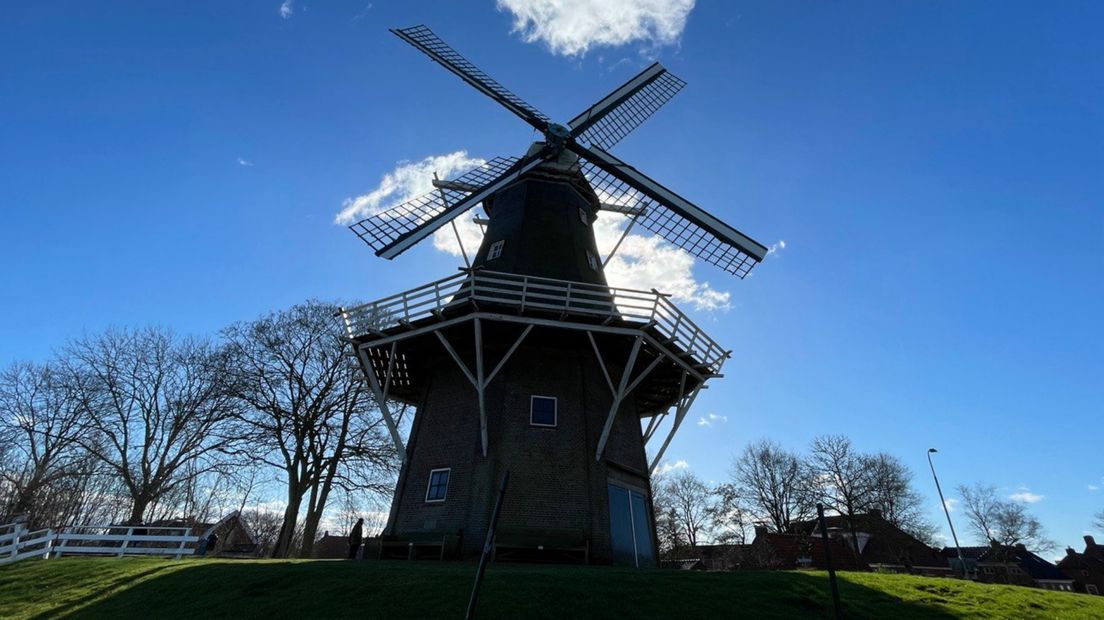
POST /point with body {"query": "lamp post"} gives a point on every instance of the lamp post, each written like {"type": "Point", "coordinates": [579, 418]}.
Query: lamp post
{"type": "Point", "coordinates": [961, 561]}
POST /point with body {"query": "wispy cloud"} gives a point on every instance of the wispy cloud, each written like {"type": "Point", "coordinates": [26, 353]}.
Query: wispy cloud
{"type": "Point", "coordinates": [775, 248]}
{"type": "Point", "coordinates": [1093, 487]}
{"type": "Point", "coordinates": [1023, 494]}
{"type": "Point", "coordinates": [572, 27]}
{"type": "Point", "coordinates": [287, 8]}
{"type": "Point", "coordinates": [712, 419]}
{"type": "Point", "coordinates": [950, 504]}
{"type": "Point", "coordinates": [668, 466]}
{"type": "Point", "coordinates": [243, 162]}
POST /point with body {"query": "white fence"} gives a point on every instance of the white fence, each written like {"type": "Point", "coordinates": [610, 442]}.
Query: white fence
{"type": "Point", "coordinates": [17, 543]}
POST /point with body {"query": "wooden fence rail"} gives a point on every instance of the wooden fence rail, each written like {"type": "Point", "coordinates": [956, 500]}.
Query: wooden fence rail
{"type": "Point", "coordinates": [18, 543]}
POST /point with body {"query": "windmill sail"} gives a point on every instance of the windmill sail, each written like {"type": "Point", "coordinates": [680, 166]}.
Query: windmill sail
{"type": "Point", "coordinates": [430, 44]}
{"type": "Point", "coordinates": [382, 229]}
{"type": "Point", "coordinates": [671, 216]}
{"type": "Point", "coordinates": [605, 123]}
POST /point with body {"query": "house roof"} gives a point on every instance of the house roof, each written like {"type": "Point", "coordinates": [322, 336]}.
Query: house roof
{"type": "Point", "coordinates": [888, 544]}
{"type": "Point", "coordinates": [1032, 564]}
{"type": "Point", "coordinates": [710, 552]}
{"type": "Point", "coordinates": [790, 547]}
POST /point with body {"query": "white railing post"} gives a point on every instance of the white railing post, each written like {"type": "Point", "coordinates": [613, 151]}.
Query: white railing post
{"type": "Point", "coordinates": [15, 542]}
{"type": "Point", "coordinates": [126, 541]}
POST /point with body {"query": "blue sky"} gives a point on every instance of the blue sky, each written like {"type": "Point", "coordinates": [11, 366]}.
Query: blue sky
{"type": "Point", "coordinates": [936, 171]}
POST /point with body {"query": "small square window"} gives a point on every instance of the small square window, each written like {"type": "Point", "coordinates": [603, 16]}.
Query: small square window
{"type": "Point", "coordinates": [542, 411]}
{"type": "Point", "coordinates": [583, 216]}
{"type": "Point", "coordinates": [593, 262]}
{"type": "Point", "coordinates": [438, 485]}
{"type": "Point", "coordinates": [496, 250]}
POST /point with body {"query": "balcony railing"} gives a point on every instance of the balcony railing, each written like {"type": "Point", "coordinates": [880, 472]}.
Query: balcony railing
{"type": "Point", "coordinates": [528, 293]}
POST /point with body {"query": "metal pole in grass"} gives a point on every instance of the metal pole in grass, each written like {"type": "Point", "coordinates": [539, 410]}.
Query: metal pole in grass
{"type": "Point", "coordinates": [828, 560]}
{"type": "Point", "coordinates": [487, 546]}
{"type": "Point", "coordinates": [947, 511]}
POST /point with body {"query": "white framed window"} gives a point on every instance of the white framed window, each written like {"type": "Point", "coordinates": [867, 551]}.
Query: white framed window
{"type": "Point", "coordinates": [593, 262]}
{"type": "Point", "coordinates": [496, 250]}
{"type": "Point", "coordinates": [583, 216]}
{"type": "Point", "coordinates": [543, 411]}
{"type": "Point", "coordinates": [437, 489]}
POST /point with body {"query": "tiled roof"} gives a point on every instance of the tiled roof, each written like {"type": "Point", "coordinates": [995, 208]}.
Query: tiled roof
{"type": "Point", "coordinates": [789, 547]}
{"type": "Point", "coordinates": [888, 544]}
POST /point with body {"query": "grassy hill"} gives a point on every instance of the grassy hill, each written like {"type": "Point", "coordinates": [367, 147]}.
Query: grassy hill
{"type": "Point", "coordinates": [154, 588]}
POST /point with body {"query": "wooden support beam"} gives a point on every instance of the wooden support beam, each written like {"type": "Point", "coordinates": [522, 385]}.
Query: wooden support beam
{"type": "Point", "coordinates": [618, 394]}
{"type": "Point", "coordinates": [480, 384]}
{"type": "Point", "coordinates": [509, 352]}
{"type": "Point", "coordinates": [680, 414]}
{"type": "Point", "coordinates": [381, 400]}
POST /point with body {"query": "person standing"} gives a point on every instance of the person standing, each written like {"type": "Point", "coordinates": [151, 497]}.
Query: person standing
{"type": "Point", "coordinates": [356, 537]}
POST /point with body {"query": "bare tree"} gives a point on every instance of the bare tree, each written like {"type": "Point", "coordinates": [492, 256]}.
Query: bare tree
{"type": "Point", "coordinates": [894, 496]}
{"type": "Point", "coordinates": [775, 484]}
{"type": "Point", "coordinates": [156, 409]}
{"type": "Point", "coordinates": [729, 515]}
{"type": "Point", "coordinates": [690, 500]}
{"type": "Point", "coordinates": [668, 528]}
{"type": "Point", "coordinates": [41, 423]}
{"type": "Point", "coordinates": [308, 413]}
{"type": "Point", "coordinates": [843, 478]}
{"type": "Point", "coordinates": [1000, 521]}
{"type": "Point", "coordinates": [1098, 520]}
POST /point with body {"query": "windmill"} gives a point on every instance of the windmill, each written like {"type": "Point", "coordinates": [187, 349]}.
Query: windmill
{"type": "Point", "coordinates": [527, 359]}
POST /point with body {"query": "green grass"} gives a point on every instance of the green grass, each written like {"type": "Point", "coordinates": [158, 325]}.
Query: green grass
{"type": "Point", "coordinates": [153, 588]}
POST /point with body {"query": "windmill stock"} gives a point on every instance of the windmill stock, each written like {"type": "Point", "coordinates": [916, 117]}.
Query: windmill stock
{"type": "Point", "coordinates": [528, 360]}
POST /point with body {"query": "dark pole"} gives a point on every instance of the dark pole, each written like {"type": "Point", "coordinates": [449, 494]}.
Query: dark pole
{"type": "Point", "coordinates": [828, 560]}
{"type": "Point", "coordinates": [487, 546]}
{"type": "Point", "coordinates": [961, 562]}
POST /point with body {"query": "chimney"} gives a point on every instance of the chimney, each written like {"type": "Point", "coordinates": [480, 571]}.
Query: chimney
{"type": "Point", "coordinates": [874, 512]}
{"type": "Point", "coordinates": [760, 530]}
{"type": "Point", "coordinates": [1021, 547]}
{"type": "Point", "coordinates": [1070, 552]}
{"type": "Point", "coordinates": [1089, 541]}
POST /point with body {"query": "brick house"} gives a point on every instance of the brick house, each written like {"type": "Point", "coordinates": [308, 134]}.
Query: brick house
{"type": "Point", "coordinates": [1086, 569]}
{"type": "Point", "coordinates": [788, 551]}
{"type": "Point", "coordinates": [1014, 565]}
{"type": "Point", "coordinates": [883, 546]}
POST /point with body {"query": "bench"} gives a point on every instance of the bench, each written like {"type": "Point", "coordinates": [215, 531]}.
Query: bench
{"type": "Point", "coordinates": [412, 545]}
{"type": "Point", "coordinates": [532, 544]}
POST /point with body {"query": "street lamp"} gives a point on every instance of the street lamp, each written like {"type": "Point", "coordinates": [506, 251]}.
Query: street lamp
{"type": "Point", "coordinates": [961, 561]}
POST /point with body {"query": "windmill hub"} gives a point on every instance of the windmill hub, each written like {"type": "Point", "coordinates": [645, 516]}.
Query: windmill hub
{"type": "Point", "coordinates": [567, 379]}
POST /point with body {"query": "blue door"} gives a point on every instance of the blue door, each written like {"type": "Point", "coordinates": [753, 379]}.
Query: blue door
{"type": "Point", "coordinates": [629, 532]}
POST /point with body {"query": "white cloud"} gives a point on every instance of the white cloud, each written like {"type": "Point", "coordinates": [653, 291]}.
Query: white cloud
{"type": "Point", "coordinates": [287, 8]}
{"type": "Point", "coordinates": [775, 248]}
{"type": "Point", "coordinates": [668, 466]}
{"type": "Point", "coordinates": [572, 27]}
{"type": "Point", "coordinates": [244, 162]}
{"type": "Point", "coordinates": [408, 180]}
{"type": "Point", "coordinates": [950, 504]}
{"type": "Point", "coordinates": [712, 419]}
{"type": "Point", "coordinates": [1026, 496]}
{"type": "Point", "coordinates": [646, 262]}
{"type": "Point", "coordinates": [1093, 487]}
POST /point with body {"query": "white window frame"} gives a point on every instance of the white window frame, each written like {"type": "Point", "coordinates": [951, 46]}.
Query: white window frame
{"type": "Point", "coordinates": [583, 216]}
{"type": "Point", "coordinates": [555, 411]}
{"type": "Point", "coordinates": [591, 260]}
{"type": "Point", "coordinates": [1091, 588]}
{"type": "Point", "coordinates": [496, 249]}
{"type": "Point", "coordinates": [429, 485]}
